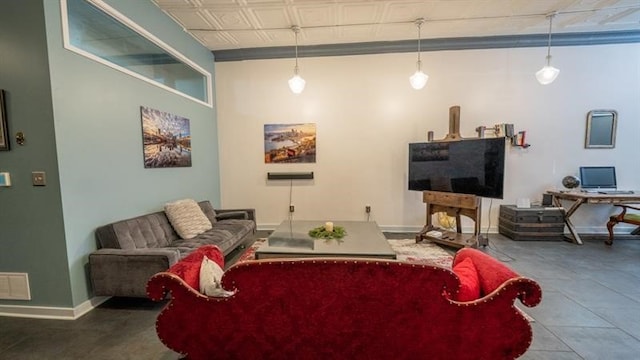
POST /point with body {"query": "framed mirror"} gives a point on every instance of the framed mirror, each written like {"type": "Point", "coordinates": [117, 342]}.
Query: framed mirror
{"type": "Point", "coordinates": [601, 129]}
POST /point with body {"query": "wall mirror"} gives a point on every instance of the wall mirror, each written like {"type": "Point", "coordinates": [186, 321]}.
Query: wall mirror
{"type": "Point", "coordinates": [601, 129]}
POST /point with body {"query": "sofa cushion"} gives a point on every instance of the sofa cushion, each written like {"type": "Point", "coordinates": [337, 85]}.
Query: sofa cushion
{"type": "Point", "coordinates": [188, 269]}
{"type": "Point", "coordinates": [221, 238]}
{"type": "Point", "coordinates": [208, 210]}
{"type": "Point", "coordinates": [238, 227]}
{"type": "Point", "coordinates": [142, 232]}
{"type": "Point", "coordinates": [187, 218]}
{"type": "Point", "coordinates": [469, 282]}
{"type": "Point", "coordinates": [226, 234]}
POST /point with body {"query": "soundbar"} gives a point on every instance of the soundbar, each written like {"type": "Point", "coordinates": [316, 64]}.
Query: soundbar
{"type": "Point", "coordinates": [290, 175]}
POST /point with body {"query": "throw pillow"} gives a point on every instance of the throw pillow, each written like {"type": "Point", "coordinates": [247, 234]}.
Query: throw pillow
{"type": "Point", "coordinates": [210, 279]}
{"type": "Point", "coordinates": [188, 269]}
{"type": "Point", "coordinates": [469, 282]}
{"type": "Point", "coordinates": [187, 218]}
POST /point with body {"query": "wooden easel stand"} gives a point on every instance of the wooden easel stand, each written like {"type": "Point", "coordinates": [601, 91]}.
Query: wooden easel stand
{"type": "Point", "coordinates": [453, 204]}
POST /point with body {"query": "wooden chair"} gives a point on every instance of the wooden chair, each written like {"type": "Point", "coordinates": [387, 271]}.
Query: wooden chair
{"type": "Point", "coordinates": [623, 217]}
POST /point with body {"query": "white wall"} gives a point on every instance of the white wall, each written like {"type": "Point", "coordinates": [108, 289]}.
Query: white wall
{"type": "Point", "coordinates": [366, 114]}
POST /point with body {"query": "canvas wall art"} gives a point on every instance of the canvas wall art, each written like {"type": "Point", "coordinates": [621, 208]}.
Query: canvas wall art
{"type": "Point", "coordinates": [290, 143]}
{"type": "Point", "coordinates": [166, 138]}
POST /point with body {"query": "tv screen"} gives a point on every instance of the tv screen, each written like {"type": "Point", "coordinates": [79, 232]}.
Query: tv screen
{"type": "Point", "coordinates": [473, 167]}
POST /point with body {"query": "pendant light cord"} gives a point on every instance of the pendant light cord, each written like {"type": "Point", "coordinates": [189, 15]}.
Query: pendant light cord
{"type": "Point", "coordinates": [296, 29]}
{"type": "Point", "coordinates": [419, 23]}
{"type": "Point", "coordinates": [549, 41]}
{"type": "Point", "coordinates": [419, 26]}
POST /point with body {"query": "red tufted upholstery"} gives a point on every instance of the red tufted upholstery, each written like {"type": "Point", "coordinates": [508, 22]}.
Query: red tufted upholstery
{"type": "Point", "coordinates": [346, 309]}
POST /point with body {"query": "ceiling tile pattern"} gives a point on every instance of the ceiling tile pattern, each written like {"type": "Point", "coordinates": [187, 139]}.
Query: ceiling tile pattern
{"type": "Point", "coordinates": [239, 24]}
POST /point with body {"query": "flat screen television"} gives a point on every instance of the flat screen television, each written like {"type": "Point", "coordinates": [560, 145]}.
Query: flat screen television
{"type": "Point", "coordinates": [473, 167]}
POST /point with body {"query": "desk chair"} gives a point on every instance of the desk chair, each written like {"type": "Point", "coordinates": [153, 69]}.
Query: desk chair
{"type": "Point", "coordinates": [623, 217]}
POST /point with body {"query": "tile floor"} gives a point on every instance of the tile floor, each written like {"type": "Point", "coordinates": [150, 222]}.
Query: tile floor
{"type": "Point", "coordinates": [590, 310]}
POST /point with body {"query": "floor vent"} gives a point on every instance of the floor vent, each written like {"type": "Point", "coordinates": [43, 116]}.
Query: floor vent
{"type": "Point", "coordinates": [14, 286]}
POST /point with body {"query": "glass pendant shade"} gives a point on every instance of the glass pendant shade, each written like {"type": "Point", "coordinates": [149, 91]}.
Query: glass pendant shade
{"type": "Point", "coordinates": [418, 80]}
{"type": "Point", "coordinates": [547, 74]}
{"type": "Point", "coordinates": [296, 84]}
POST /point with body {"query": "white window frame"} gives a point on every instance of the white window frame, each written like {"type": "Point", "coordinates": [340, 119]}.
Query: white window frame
{"type": "Point", "coordinates": [108, 10]}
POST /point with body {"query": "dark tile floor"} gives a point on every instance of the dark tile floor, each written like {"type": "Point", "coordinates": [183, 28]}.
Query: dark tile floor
{"type": "Point", "coordinates": [590, 310]}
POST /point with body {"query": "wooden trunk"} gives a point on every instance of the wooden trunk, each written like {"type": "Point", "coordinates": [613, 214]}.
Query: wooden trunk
{"type": "Point", "coordinates": [534, 223]}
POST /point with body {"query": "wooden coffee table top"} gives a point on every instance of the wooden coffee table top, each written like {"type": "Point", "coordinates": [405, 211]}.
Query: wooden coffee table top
{"type": "Point", "coordinates": [291, 239]}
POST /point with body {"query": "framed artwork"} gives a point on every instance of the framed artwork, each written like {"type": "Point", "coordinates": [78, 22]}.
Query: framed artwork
{"type": "Point", "coordinates": [289, 143]}
{"type": "Point", "coordinates": [4, 131]}
{"type": "Point", "coordinates": [166, 139]}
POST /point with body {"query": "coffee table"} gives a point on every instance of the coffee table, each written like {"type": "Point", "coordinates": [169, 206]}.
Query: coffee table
{"type": "Point", "coordinates": [291, 239]}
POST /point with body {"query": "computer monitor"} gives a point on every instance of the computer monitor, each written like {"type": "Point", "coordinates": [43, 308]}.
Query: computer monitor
{"type": "Point", "coordinates": [598, 177]}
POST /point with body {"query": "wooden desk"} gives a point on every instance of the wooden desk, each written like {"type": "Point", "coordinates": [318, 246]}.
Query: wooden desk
{"type": "Point", "coordinates": [580, 198]}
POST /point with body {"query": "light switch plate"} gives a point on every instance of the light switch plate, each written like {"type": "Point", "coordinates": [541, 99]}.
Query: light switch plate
{"type": "Point", "coordinates": [38, 178]}
{"type": "Point", "coordinates": [5, 179]}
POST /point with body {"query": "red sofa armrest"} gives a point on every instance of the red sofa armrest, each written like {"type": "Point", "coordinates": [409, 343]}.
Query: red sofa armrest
{"type": "Point", "coordinates": [495, 276]}
{"type": "Point", "coordinates": [165, 282]}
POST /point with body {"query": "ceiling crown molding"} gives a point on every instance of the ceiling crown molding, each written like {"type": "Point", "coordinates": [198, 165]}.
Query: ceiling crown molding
{"type": "Point", "coordinates": [466, 43]}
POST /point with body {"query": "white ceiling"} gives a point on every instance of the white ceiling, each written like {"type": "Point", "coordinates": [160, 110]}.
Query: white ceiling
{"type": "Point", "coordinates": [241, 24]}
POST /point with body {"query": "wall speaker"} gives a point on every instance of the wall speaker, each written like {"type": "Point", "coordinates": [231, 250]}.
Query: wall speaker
{"type": "Point", "coordinates": [290, 175]}
{"type": "Point", "coordinates": [547, 200]}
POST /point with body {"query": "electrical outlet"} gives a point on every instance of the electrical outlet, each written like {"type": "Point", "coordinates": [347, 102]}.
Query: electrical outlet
{"type": "Point", "coordinates": [292, 208]}
{"type": "Point", "coordinates": [367, 208]}
{"type": "Point", "coordinates": [39, 178]}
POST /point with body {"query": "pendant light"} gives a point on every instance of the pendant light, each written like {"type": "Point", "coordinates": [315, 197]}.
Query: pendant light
{"type": "Point", "coordinates": [548, 73]}
{"type": "Point", "coordinates": [296, 83]}
{"type": "Point", "coordinates": [419, 79]}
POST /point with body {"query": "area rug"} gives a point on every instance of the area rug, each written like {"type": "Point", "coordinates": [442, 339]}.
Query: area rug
{"type": "Point", "coordinates": [406, 250]}
{"type": "Point", "coordinates": [424, 252]}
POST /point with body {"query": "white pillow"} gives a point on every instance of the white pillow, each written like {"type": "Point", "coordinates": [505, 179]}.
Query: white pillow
{"type": "Point", "coordinates": [210, 279]}
{"type": "Point", "coordinates": [187, 218]}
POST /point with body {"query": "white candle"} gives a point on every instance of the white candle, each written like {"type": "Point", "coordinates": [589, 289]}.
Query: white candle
{"type": "Point", "coordinates": [328, 226]}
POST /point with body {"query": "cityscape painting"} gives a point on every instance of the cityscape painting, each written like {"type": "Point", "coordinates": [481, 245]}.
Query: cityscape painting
{"type": "Point", "coordinates": [166, 138]}
{"type": "Point", "coordinates": [290, 143]}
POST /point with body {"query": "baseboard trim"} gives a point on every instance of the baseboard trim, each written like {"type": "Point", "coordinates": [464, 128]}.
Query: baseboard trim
{"type": "Point", "coordinates": [52, 313]}
{"type": "Point", "coordinates": [385, 228]}
{"type": "Point", "coordinates": [621, 229]}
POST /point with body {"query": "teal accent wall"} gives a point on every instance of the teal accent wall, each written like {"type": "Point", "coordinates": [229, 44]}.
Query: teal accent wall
{"type": "Point", "coordinates": [94, 154]}
{"type": "Point", "coordinates": [32, 236]}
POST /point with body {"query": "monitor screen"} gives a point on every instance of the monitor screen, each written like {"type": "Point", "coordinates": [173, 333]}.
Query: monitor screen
{"type": "Point", "coordinates": [594, 177]}
{"type": "Point", "coordinates": [467, 166]}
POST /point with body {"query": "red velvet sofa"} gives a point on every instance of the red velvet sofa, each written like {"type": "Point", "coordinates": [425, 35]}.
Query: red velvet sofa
{"type": "Point", "coordinates": [346, 309]}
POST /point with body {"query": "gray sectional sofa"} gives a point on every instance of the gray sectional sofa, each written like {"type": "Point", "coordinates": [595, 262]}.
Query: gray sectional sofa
{"type": "Point", "coordinates": [131, 251]}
